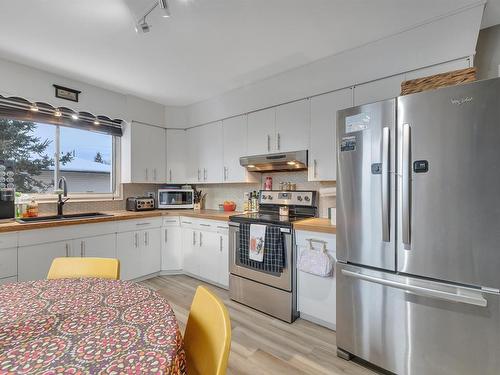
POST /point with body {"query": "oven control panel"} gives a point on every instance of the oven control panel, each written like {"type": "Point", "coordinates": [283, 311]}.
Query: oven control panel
{"type": "Point", "coordinates": [288, 198]}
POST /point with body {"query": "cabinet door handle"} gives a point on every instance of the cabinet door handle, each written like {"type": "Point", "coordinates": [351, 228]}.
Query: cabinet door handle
{"type": "Point", "coordinates": [225, 173]}
{"type": "Point", "coordinates": [201, 240]}
{"type": "Point", "coordinates": [166, 235]}
{"type": "Point", "coordinates": [136, 240]}
{"type": "Point", "coordinates": [170, 175]}
{"type": "Point", "coordinates": [268, 143]}
{"type": "Point", "coordinates": [154, 174]}
{"type": "Point", "coordinates": [278, 141]}
{"type": "Point", "coordinates": [220, 244]}
{"type": "Point", "coordinates": [194, 238]}
{"type": "Point", "coordinates": [67, 249]}
{"type": "Point", "coordinates": [199, 172]}
{"type": "Point", "coordinates": [82, 248]}
{"type": "Point", "coordinates": [204, 174]}
{"type": "Point", "coordinates": [146, 238]}
{"type": "Point", "coordinates": [315, 170]}
{"type": "Point", "coordinates": [140, 224]}
{"type": "Point", "coordinates": [147, 175]}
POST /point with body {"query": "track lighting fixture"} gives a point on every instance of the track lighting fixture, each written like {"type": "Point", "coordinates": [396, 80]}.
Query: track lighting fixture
{"type": "Point", "coordinates": [57, 112]}
{"type": "Point", "coordinates": [142, 26]}
{"type": "Point", "coordinates": [96, 122]}
{"type": "Point", "coordinates": [74, 116]}
{"type": "Point", "coordinates": [34, 108]}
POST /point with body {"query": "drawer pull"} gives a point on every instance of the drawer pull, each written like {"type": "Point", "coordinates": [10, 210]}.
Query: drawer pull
{"type": "Point", "coordinates": [139, 224]}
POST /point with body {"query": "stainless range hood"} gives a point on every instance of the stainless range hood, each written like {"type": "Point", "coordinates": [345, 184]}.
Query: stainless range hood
{"type": "Point", "coordinates": [284, 161]}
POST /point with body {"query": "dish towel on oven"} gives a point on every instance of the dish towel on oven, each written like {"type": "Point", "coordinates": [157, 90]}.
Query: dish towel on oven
{"type": "Point", "coordinates": [274, 250]}
{"type": "Point", "coordinates": [256, 246]}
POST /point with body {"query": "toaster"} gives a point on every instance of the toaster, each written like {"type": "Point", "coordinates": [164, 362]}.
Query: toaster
{"type": "Point", "coordinates": [140, 204]}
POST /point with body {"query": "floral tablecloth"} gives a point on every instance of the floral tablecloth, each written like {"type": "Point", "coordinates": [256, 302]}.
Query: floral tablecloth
{"type": "Point", "coordinates": [87, 326]}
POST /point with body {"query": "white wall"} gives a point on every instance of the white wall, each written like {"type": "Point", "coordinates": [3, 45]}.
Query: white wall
{"type": "Point", "coordinates": [36, 85]}
{"type": "Point", "coordinates": [439, 41]}
{"type": "Point", "coordinates": [487, 60]}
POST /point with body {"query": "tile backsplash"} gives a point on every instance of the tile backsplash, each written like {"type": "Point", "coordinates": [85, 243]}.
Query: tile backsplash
{"type": "Point", "coordinates": [216, 194]}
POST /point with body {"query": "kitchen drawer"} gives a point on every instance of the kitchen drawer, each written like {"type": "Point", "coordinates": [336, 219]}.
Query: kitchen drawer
{"type": "Point", "coordinates": [8, 240]}
{"type": "Point", "coordinates": [8, 280]}
{"type": "Point", "coordinates": [171, 221]}
{"type": "Point", "coordinates": [65, 233]}
{"type": "Point", "coordinates": [8, 262]}
{"type": "Point", "coordinates": [146, 223]}
{"type": "Point", "coordinates": [189, 222]}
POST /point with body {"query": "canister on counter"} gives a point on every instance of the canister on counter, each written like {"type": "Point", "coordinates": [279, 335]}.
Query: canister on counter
{"type": "Point", "coordinates": [268, 184]}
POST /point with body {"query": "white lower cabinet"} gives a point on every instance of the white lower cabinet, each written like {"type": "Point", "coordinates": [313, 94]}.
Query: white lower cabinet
{"type": "Point", "coordinates": [34, 261]}
{"type": "Point", "coordinates": [205, 250]}
{"type": "Point", "coordinates": [144, 247]}
{"type": "Point", "coordinates": [139, 249]}
{"type": "Point", "coordinates": [98, 247]}
{"type": "Point", "coordinates": [8, 258]}
{"type": "Point", "coordinates": [171, 245]}
{"type": "Point", "coordinates": [316, 295]}
{"type": "Point", "coordinates": [190, 250]}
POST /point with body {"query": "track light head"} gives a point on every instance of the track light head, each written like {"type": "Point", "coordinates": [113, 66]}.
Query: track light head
{"type": "Point", "coordinates": [142, 27]}
{"type": "Point", "coordinates": [165, 10]}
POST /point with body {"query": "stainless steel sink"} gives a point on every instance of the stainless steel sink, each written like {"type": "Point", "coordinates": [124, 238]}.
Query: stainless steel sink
{"type": "Point", "coordinates": [85, 215]}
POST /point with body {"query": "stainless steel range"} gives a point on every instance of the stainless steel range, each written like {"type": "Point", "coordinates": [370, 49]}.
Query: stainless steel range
{"type": "Point", "coordinates": [272, 291]}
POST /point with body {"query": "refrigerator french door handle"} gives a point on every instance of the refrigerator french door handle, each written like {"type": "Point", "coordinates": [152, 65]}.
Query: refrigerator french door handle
{"type": "Point", "coordinates": [406, 184]}
{"type": "Point", "coordinates": [421, 291]}
{"type": "Point", "coordinates": [386, 185]}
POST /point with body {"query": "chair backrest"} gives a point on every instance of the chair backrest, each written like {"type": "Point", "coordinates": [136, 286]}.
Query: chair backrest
{"type": "Point", "coordinates": [207, 340]}
{"type": "Point", "coordinates": [74, 267]}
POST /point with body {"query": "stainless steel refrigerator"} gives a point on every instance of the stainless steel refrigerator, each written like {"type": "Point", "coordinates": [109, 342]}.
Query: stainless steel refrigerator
{"type": "Point", "coordinates": [418, 231]}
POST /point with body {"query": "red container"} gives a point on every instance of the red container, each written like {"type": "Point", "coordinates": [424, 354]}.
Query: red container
{"type": "Point", "coordinates": [229, 207]}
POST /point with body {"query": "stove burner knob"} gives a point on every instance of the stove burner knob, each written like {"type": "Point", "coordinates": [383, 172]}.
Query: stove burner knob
{"type": "Point", "coordinates": [270, 197]}
{"type": "Point", "coordinates": [306, 199]}
{"type": "Point", "coordinates": [299, 198]}
{"type": "Point", "coordinates": [264, 197]}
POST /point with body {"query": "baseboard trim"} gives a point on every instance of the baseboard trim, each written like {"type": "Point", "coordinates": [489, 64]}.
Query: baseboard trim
{"type": "Point", "coordinates": [318, 321]}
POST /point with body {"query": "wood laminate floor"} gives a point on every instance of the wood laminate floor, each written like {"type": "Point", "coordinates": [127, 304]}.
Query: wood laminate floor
{"type": "Point", "coordinates": [261, 344]}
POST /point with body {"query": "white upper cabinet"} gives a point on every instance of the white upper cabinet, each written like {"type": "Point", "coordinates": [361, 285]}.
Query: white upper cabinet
{"type": "Point", "coordinates": [192, 165]}
{"type": "Point", "coordinates": [292, 127]}
{"type": "Point", "coordinates": [210, 158]}
{"type": "Point", "coordinates": [143, 154]}
{"type": "Point", "coordinates": [235, 146]}
{"type": "Point", "coordinates": [261, 131]}
{"type": "Point", "coordinates": [322, 152]}
{"type": "Point", "coordinates": [378, 90]}
{"type": "Point", "coordinates": [437, 69]}
{"type": "Point", "coordinates": [176, 156]}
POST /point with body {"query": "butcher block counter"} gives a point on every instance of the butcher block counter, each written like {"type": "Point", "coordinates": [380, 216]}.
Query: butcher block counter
{"type": "Point", "coordinates": [315, 225]}
{"type": "Point", "coordinates": [13, 226]}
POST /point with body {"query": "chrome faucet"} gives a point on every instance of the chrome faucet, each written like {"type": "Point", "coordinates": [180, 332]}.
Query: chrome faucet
{"type": "Point", "coordinates": [62, 185]}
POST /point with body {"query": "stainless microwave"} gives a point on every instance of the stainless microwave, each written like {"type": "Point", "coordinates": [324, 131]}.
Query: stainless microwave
{"type": "Point", "coordinates": [175, 198]}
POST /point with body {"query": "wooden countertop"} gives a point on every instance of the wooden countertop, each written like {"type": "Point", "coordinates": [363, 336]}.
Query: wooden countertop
{"type": "Point", "coordinates": [13, 226]}
{"type": "Point", "coordinates": [316, 225]}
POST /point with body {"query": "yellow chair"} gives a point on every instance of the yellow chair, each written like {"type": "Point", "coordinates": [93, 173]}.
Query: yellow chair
{"type": "Point", "coordinates": [73, 268]}
{"type": "Point", "coordinates": [207, 340]}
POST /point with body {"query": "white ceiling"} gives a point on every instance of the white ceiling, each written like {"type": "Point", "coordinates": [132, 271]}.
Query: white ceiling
{"type": "Point", "coordinates": [206, 48]}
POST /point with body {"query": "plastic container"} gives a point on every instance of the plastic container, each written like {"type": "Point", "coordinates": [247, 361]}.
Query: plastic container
{"type": "Point", "coordinates": [32, 208]}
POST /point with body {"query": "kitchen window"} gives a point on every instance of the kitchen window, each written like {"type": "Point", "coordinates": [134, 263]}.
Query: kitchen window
{"type": "Point", "coordinates": [44, 148]}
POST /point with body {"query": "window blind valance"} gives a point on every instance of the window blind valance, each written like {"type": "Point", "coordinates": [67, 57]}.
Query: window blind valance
{"type": "Point", "coordinates": [24, 110]}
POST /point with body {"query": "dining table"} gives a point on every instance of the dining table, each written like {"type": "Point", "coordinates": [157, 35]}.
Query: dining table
{"type": "Point", "coordinates": [87, 326]}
